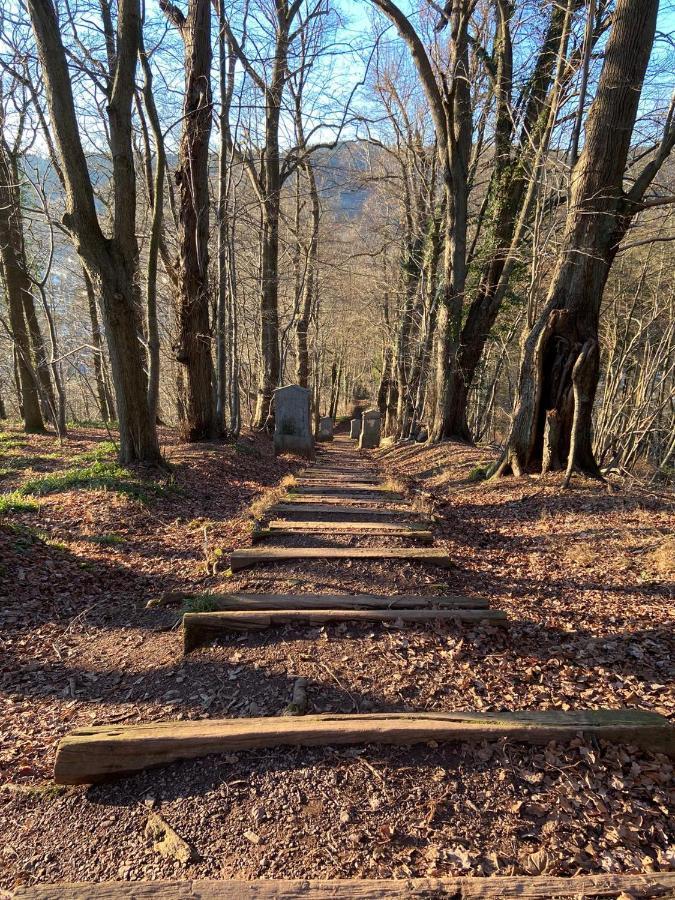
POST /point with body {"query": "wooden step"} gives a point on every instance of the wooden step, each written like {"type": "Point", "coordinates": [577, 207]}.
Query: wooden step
{"type": "Point", "coordinates": [92, 754]}
{"type": "Point", "coordinates": [199, 628]}
{"type": "Point", "coordinates": [463, 887]}
{"type": "Point", "coordinates": [245, 601]}
{"type": "Point", "coordinates": [251, 557]}
{"type": "Point", "coordinates": [355, 493]}
{"type": "Point", "coordinates": [337, 498]}
{"type": "Point", "coordinates": [334, 509]}
{"type": "Point", "coordinates": [358, 529]}
{"type": "Point", "coordinates": [318, 478]}
{"type": "Point", "coordinates": [346, 487]}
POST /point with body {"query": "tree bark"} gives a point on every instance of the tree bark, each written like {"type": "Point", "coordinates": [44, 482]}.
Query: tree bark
{"type": "Point", "coordinates": [111, 263]}
{"type": "Point", "coordinates": [192, 177]}
{"type": "Point", "coordinates": [18, 288]}
{"type": "Point", "coordinates": [599, 214]}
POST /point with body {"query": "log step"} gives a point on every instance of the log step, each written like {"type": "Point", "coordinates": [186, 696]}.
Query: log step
{"type": "Point", "coordinates": [334, 509]}
{"type": "Point", "coordinates": [251, 557]}
{"type": "Point", "coordinates": [89, 755]}
{"type": "Point", "coordinates": [356, 489]}
{"type": "Point", "coordinates": [198, 628]}
{"type": "Point", "coordinates": [348, 527]}
{"type": "Point", "coordinates": [282, 528]}
{"type": "Point", "coordinates": [462, 887]}
{"type": "Point", "coordinates": [330, 496]}
{"type": "Point", "coordinates": [246, 601]}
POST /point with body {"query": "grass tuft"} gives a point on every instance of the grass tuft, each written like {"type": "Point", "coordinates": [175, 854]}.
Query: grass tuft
{"type": "Point", "coordinates": [106, 539]}
{"type": "Point", "coordinates": [198, 604]}
{"type": "Point", "coordinates": [16, 502]}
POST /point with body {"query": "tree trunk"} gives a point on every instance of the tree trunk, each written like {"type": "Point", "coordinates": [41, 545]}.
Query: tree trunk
{"type": "Point", "coordinates": [156, 196]}
{"type": "Point", "coordinates": [105, 404]}
{"type": "Point", "coordinates": [192, 177]}
{"type": "Point", "coordinates": [111, 262]}
{"type": "Point", "coordinates": [309, 282]}
{"type": "Point", "coordinates": [562, 346]}
{"type": "Point", "coordinates": [17, 287]}
{"type": "Point", "coordinates": [455, 159]}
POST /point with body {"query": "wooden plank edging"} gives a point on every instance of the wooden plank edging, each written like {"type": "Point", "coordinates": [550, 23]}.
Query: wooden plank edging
{"type": "Point", "coordinates": [89, 755]}
{"type": "Point", "coordinates": [239, 559]}
{"type": "Point", "coordinates": [200, 627]}
{"type": "Point", "coordinates": [245, 601]}
{"type": "Point", "coordinates": [536, 887]}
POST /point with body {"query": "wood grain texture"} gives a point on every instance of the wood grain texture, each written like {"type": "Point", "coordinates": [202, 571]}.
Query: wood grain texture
{"type": "Point", "coordinates": [371, 491]}
{"type": "Point", "coordinates": [529, 887]}
{"type": "Point", "coordinates": [246, 601]}
{"type": "Point", "coordinates": [275, 530]}
{"type": "Point", "coordinates": [240, 559]}
{"type": "Point", "coordinates": [88, 755]}
{"type": "Point", "coordinates": [306, 507]}
{"type": "Point", "coordinates": [201, 627]}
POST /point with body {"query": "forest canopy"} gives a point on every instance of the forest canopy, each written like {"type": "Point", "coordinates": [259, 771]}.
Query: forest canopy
{"type": "Point", "coordinates": [462, 215]}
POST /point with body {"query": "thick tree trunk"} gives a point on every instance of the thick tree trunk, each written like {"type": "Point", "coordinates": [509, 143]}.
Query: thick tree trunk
{"type": "Point", "coordinates": [385, 379]}
{"type": "Point", "coordinates": [270, 357]}
{"type": "Point", "coordinates": [111, 263]}
{"type": "Point", "coordinates": [560, 358]}
{"type": "Point", "coordinates": [192, 177]}
{"type": "Point", "coordinates": [455, 176]}
{"type": "Point", "coordinates": [18, 289]}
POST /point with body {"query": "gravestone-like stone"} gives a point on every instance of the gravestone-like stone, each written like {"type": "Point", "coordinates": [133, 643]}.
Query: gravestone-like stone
{"type": "Point", "coordinates": [325, 428]}
{"type": "Point", "coordinates": [292, 421]}
{"type": "Point", "coordinates": [355, 429]}
{"type": "Point", "coordinates": [370, 430]}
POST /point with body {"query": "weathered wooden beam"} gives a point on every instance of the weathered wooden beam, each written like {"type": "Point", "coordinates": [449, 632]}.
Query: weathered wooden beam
{"type": "Point", "coordinates": [245, 601]}
{"type": "Point", "coordinates": [88, 755]}
{"type": "Point", "coordinates": [348, 490]}
{"type": "Point", "coordinates": [274, 530]}
{"type": "Point", "coordinates": [328, 496]}
{"type": "Point", "coordinates": [198, 628]}
{"type": "Point", "coordinates": [525, 887]}
{"type": "Point", "coordinates": [240, 559]}
{"type": "Point", "coordinates": [391, 528]}
{"type": "Point", "coordinates": [329, 509]}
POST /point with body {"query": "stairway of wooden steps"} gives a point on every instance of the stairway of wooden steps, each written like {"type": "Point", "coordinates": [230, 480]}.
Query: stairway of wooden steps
{"type": "Point", "coordinates": [92, 754]}
{"type": "Point", "coordinates": [199, 628]}
{"type": "Point", "coordinates": [463, 887]}
{"type": "Point", "coordinates": [240, 559]}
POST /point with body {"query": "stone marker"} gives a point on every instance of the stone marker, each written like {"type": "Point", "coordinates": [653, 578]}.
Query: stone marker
{"type": "Point", "coordinates": [292, 421]}
{"type": "Point", "coordinates": [325, 428]}
{"type": "Point", "coordinates": [355, 429]}
{"type": "Point", "coordinates": [370, 430]}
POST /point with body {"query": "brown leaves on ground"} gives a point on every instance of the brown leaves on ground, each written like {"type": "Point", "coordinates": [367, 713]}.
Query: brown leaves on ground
{"type": "Point", "coordinates": [585, 576]}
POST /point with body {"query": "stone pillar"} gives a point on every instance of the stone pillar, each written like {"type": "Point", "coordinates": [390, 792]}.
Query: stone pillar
{"type": "Point", "coordinates": [355, 429]}
{"type": "Point", "coordinates": [292, 421]}
{"type": "Point", "coordinates": [325, 428]}
{"type": "Point", "coordinates": [370, 430]}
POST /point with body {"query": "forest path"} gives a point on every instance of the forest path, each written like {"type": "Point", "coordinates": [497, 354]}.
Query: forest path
{"type": "Point", "coordinates": [90, 755]}
{"type": "Point", "coordinates": [273, 789]}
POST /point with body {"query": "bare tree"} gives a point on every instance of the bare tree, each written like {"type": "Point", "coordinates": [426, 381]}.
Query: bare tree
{"type": "Point", "coordinates": [192, 178]}
{"type": "Point", "coordinates": [111, 262]}
{"type": "Point", "coordinates": [560, 366]}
